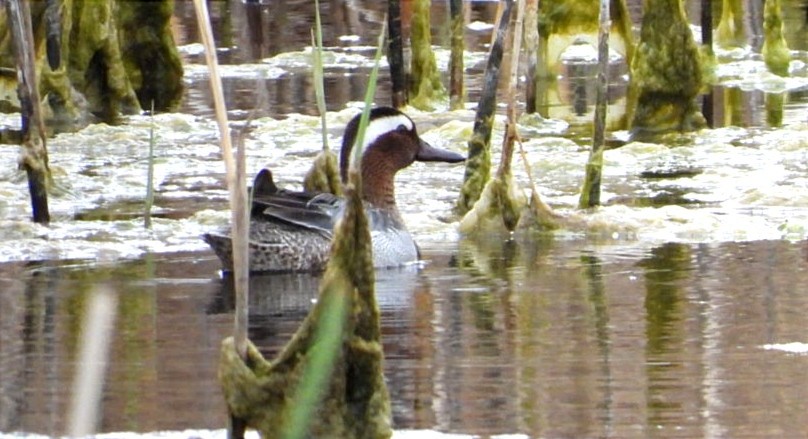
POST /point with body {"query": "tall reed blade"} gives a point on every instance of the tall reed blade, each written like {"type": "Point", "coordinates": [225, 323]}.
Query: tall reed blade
{"type": "Point", "coordinates": [150, 174]}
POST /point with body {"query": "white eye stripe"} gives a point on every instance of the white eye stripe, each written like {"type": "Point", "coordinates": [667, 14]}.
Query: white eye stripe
{"type": "Point", "coordinates": [381, 126]}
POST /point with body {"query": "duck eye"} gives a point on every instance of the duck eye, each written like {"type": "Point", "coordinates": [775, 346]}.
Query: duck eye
{"type": "Point", "coordinates": [402, 128]}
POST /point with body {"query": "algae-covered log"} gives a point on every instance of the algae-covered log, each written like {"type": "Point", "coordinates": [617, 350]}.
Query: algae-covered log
{"type": "Point", "coordinates": [425, 83]}
{"type": "Point", "coordinates": [111, 54]}
{"type": "Point", "coordinates": [666, 73]}
{"type": "Point", "coordinates": [730, 32]}
{"type": "Point", "coordinates": [478, 163]}
{"type": "Point", "coordinates": [775, 51]}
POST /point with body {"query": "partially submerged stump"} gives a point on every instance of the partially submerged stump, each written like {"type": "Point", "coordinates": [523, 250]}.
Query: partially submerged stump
{"type": "Point", "coordinates": [352, 400]}
{"type": "Point", "coordinates": [775, 50]}
{"type": "Point", "coordinates": [666, 72]}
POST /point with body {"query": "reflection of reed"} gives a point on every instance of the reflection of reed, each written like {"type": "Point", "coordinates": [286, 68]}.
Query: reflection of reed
{"type": "Point", "coordinates": [12, 360]}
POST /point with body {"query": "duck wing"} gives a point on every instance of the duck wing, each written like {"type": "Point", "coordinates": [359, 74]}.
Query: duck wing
{"type": "Point", "coordinates": [318, 212]}
{"type": "Point", "coordinates": [314, 211]}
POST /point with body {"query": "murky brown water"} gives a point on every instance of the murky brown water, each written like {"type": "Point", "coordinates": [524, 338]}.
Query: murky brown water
{"type": "Point", "coordinates": [548, 337]}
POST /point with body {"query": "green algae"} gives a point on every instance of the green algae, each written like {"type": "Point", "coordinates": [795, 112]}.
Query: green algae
{"type": "Point", "coordinates": [666, 73]}
{"type": "Point", "coordinates": [775, 51]}
{"type": "Point", "coordinates": [426, 87]}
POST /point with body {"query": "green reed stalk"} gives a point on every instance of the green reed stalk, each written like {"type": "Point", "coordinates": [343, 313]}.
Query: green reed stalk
{"type": "Point", "coordinates": [238, 198]}
{"type": "Point", "coordinates": [329, 333]}
{"type": "Point", "coordinates": [150, 174]}
{"type": "Point", "coordinates": [319, 87]}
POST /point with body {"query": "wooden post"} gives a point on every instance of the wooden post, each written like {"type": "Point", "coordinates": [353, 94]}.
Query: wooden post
{"type": "Point", "coordinates": [35, 153]}
{"type": "Point", "coordinates": [395, 54]}
{"type": "Point", "coordinates": [590, 193]}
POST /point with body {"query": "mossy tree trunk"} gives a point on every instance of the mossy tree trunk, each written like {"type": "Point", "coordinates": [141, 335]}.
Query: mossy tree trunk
{"type": "Point", "coordinates": [666, 73]}
{"type": "Point", "coordinates": [456, 91]}
{"type": "Point", "coordinates": [115, 58]}
{"type": "Point", "coordinates": [775, 51]}
{"type": "Point", "coordinates": [395, 54]}
{"type": "Point", "coordinates": [730, 32]}
{"type": "Point", "coordinates": [425, 83]}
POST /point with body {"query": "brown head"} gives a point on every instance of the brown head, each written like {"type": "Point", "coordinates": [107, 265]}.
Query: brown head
{"type": "Point", "coordinates": [391, 143]}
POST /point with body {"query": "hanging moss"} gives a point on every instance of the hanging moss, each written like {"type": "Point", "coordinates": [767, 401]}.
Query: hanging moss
{"type": "Point", "coordinates": [730, 32]}
{"type": "Point", "coordinates": [666, 73]}
{"type": "Point", "coordinates": [775, 51]}
{"type": "Point", "coordinates": [425, 79]}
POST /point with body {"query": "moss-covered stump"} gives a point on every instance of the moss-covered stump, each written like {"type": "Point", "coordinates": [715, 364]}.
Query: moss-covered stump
{"type": "Point", "coordinates": [775, 51]}
{"type": "Point", "coordinates": [666, 73]}
{"type": "Point", "coordinates": [116, 57]}
{"type": "Point", "coordinates": [323, 175]}
{"type": "Point", "coordinates": [150, 56]}
{"type": "Point", "coordinates": [500, 205]}
{"type": "Point", "coordinates": [327, 382]}
{"type": "Point", "coordinates": [425, 80]}
{"type": "Point", "coordinates": [730, 31]}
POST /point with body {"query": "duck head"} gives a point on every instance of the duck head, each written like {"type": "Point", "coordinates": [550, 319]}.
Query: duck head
{"type": "Point", "coordinates": [391, 144]}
